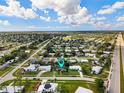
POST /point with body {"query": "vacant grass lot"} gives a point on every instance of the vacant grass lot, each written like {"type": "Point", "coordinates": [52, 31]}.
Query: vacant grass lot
{"type": "Point", "coordinates": [71, 86]}
{"type": "Point", "coordinates": [70, 73]}
{"type": "Point", "coordinates": [6, 70]}
{"type": "Point", "coordinates": [20, 72]}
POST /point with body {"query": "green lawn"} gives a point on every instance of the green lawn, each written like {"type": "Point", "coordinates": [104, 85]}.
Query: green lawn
{"type": "Point", "coordinates": [64, 74]}
{"type": "Point", "coordinates": [87, 71]}
{"type": "Point", "coordinates": [28, 88]}
{"type": "Point", "coordinates": [6, 70]}
{"type": "Point", "coordinates": [19, 72]}
{"type": "Point", "coordinates": [6, 83]}
{"type": "Point", "coordinates": [64, 86]}
{"type": "Point", "coordinates": [71, 86]}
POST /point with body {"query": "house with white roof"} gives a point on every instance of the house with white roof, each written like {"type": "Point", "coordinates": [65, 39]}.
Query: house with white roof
{"type": "Point", "coordinates": [5, 65]}
{"type": "Point", "coordinates": [72, 60]}
{"type": "Point", "coordinates": [11, 61]}
{"type": "Point", "coordinates": [45, 68]}
{"type": "Point", "coordinates": [31, 68]}
{"type": "Point", "coordinates": [90, 55]}
{"type": "Point", "coordinates": [83, 90]}
{"type": "Point", "coordinates": [1, 55]}
{"type": "Point", "coordinates": [106, 52]}
{"type": "Point", "coordinates": [67, 50]}
{"type": "Point", "coordinates": [75, 67]}
{"type": "Point", "coordinates": [96, 62]}
{"type": "Point", "coordinates": [27, 51]}
{"type": "Point", "coordinates": [16, 58]}
{"type": "Point", "coordinates": [86, 50]}
{"type": "Point", "coordinates": [96, 69]}
{"type": "Point", "coordinates": [48, 88]}
{"type": "Point", "coordinates": [12, 89]}
{"type": "Point", "coordinates": [84, 60]}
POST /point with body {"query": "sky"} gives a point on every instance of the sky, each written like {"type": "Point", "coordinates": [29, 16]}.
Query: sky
{"type": "Point", "coordinates": [61, 15]}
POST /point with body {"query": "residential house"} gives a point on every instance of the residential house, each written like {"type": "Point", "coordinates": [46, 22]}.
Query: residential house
{"type": "Point", "coordinates": [83, 90]}
{"type": "Point", "coordinates": [84, 60]}
{"type": "Point", "coordinates": [75, 67]}
{"type": "Point", "coordinates": [96, 69]}
{"type": "Point", "coordinates": [45, 68]}
{"type": "Point", "coordinates": [48, 88]}
{"type": "Point", "coordinates": [31, 68]}
{"type": "Point", "coordinates": [12, 89]}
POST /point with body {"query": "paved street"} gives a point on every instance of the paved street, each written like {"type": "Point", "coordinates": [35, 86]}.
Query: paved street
{"type": "Point", "coordinates": [115, 76]}
{"type": "Point", "coordinates": [60, 78]}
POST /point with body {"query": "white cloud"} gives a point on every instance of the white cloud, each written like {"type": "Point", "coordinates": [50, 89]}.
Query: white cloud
{"type": "Point", "coordinates": [68, 11]}
{"type": "Point", "coordinates": [100, 18]}
{"type": "Point", "coordinates": [96, 18]}
{"type": "Point", "coordinates": [102, 25]}
{"type": "Point", "coordinates": [81, 17]}
{"type": "Point", "coordinates": [46, 12]}
{"type": "Point", "coordinates": [121, 24]}
{"type": "Point", "coordinates": [106, 11]}
{"type": "Point", "coordinates": [4, 23]}
{"type": "Point", "coordinates": [47, 19]}
{"type": "Point", "coordinates": [118, 5]}
{"type": "Point", "coordinates": [111, 9]}
{"type": "Point", "coordinates": [14, 9]}
{"type": "Point", "coordinates": [62, 7]}
{"type": "Point", "coordinates": [121, 18]}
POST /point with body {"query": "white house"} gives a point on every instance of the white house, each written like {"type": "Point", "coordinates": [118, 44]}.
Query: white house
{"type": "Point", "coordinates": [11, 61]}
{"type": "Point", "coordinates": [4, 65]}
{"type": "Point", "coordinates": [48, 88]}
{"type": "Point", "coordinates": [96, 69]}
{"type": "Point", "coordinates": [86, 50]}
{"type": "Point", "coordinates": [75, 67]}
{"type": "Point", "coordinates": [90, 55]}
{"type": "Point", "coordinates": [72, 61]}
{"type": "Point", "coordinates": [67, 50]}
{"type": "Point", "coordinates": [12, 89]}
{"type": "Point", "coordinates": [16, 58]}
{"type": "Point", "coordinates": [84, 61]}
{"type": "Point", "coordinates": [31, 68]}
{"type": "Point", "coordinates": [106, 52]}
{"type": "Point", "coordinates": [1, 55]}
{"type": "Point", "coordinates": [27, 51]}
{"type": "Point", "coordinates": [76, 50]}
{"type": "Point", "coordinates": [96, 62]}
{"type": "Point", "coordinates": [46, 68]}
{"type": "Point", "coordinates": [83, 90]}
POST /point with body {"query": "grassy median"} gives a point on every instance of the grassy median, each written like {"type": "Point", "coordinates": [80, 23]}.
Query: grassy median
{"type": "Point", "coordinates": [121, 74]}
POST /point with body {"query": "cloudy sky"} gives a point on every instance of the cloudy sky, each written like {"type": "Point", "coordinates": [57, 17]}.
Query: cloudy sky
{"type": "Point", "coordinates": [61, 15]}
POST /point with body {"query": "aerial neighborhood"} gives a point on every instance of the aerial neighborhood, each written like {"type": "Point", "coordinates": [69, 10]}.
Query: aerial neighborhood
{"type": "Point", "coordinates": [51, 63]}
